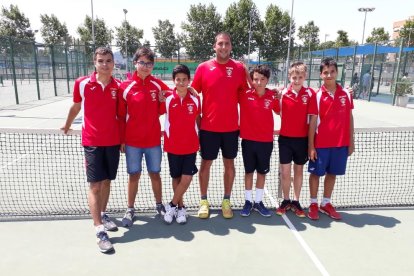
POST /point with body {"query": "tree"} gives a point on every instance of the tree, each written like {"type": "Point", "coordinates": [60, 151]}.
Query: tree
{"type": "Point", "coordinates": [342, 39]}
{"type": "Point", "coordinates": [200, 31]}
{"type": "Point", "coordinates": [237, 24]}
{"type": "Point", "coordinates": [165, 39]}
{"type": "Point", "coordinates": [52, 31]}
{"type": "Point", "coordinates": [379, 35]}
{"type": "Point", "coordinates": [131, 34]}
{"type": "Point", "coordinates": [276, 33]}
{"type": "Point", "coordinates": [407, 32]}
{"type": "Point", "coordinates": [309, 34]}
{"type": "Point", "coordinates": [15, 24]}
{"type": "Point", "coordinates": [327, 45]}
{"type": "Point", "coordinates": [102, 33]}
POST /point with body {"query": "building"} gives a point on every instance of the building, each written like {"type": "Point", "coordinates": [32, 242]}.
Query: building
{"type": "Point", "coordinates": [398, 25]}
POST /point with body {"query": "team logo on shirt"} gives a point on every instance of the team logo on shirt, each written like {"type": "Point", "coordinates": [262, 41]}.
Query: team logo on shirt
{"type": "Point", "coordinates": [342, 99]}
{"type": "Point", "coordinates": [267, 104]}
{"type": "Point", "coordinates": [190, 108]}
{"type": "Point", "coordinates": [229, 71]}
{"type": "Point", "coordinates": [113, 93]}
{"type": "Point", "coordinates": [153, 95]}
{"type": "Point", "coordinates": [304, 99]}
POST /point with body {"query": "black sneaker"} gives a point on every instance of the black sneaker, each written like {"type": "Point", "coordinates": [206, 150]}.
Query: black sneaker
{"type": "Point", "coordinates": [297, 209]}
{"type": "Point", "coordinates": [286, 203]}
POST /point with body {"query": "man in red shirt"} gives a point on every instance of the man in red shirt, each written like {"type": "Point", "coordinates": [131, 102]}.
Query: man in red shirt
{"type": "Point", "coordinates": [256, 130]}
{"type": "Point", "coordinates": [138, 112]}
{"type": "Point", "coordinates": [293, 137]}
{"type": "Point", "coordinates": [220, 80]}
{"type": "Point", "coordinates": [181, 140]}
{"type": "Point", "coordinates": [96, 95]}
{"type": "Point", "coordinates": [331, 137]}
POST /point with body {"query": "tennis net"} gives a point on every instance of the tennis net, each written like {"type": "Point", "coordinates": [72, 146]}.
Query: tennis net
{"type": "Point", "coordinates": [42, 175]}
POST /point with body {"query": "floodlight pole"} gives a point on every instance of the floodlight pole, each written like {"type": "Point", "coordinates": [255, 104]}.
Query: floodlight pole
{"type": "Point", "coordinates": [126, 41]}
{"type": "Point", "coordinates": [93, 27]}
{"type": "Point", "coordinates": [365, 10]}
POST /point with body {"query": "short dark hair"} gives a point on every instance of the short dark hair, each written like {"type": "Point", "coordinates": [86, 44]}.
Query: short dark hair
{"type": "Point", "coordinates": [181, 68]}
{"type": "Point", "coordinates": [144, 52]}
{"type": "Point", "coordinates": [221, 33]}
{"type": "Point", "coordinates": [328, 62]}
{"type": "Point", "coordinates": [261, 69]}
{"type": "Point", "coordinates": [102, 51]}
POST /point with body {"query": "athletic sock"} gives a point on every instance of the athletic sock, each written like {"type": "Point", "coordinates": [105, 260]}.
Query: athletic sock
{"type": "Point", "coordinates": [259, 195]}
{"type": "Point", "coordinates": [314, 200]}
{"type": "Point", "coordinates": [99, 228]}
{"type": "Point", "coordinates": [248, 195]}
{"type": "Point", "coordinates": [172, 205]}
{"type": "Point", "coordinates": [226, 197]}
{"type": "Point", "coordinates": [102, 214]}
{"type": "Point", "coordinates": [204, 197]}
{"type": "Point", "coordinates": [325, 201]}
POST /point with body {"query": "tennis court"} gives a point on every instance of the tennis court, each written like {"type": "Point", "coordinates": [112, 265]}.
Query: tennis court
{"type": "Point", "coordinates": [364, 243]}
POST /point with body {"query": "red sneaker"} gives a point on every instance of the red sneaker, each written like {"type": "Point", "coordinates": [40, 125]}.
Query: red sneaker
{"type": "Point", "coordinates": [297, 209]}
{"type": "Point", "coordinates": [283, 207]}
{"type": "Point", "coordinates": [330, 211]}
{"type": "Point", "coordinates": [313, 212]}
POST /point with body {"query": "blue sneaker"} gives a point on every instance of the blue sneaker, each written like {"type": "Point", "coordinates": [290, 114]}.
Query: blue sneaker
{"type": "Point", "coordinates": [259, 207]}
{"type": "Point", "coordinates": [247, 208]}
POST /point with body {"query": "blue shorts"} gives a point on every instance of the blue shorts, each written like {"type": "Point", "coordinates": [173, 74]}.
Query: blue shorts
{"type": "Point", "coordinates": [134, 159]}
{"type": "Point", "coordinates": [330, 160]}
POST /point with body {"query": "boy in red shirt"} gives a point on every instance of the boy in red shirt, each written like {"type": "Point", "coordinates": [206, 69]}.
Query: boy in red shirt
{"type": "Point", "coordinates": [331, 137]}
{"type": "Point", "coordinates": [256, 130]}
{"type": "Point", "coordinates": [138, 111]}
{"type": "Point", "coordinates": [96, 95]}
{"type": "Point", "coordinates": [293, 136]}
{"type": "Point", "coordinates": [181, 140]}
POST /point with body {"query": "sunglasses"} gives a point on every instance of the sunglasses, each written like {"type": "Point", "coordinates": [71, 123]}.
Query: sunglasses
{"type": "Point", "coordinates": [145, 64]}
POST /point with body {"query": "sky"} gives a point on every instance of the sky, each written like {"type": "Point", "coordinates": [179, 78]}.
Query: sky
{"type": "Point", "coordinates": [329, 15]}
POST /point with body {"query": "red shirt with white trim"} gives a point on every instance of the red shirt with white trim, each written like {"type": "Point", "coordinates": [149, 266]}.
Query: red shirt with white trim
{"type": "Point", "coordinates": [180, 130]}
{"type": "Point", "coordinates": [138, 110]}
{"type": "Point", "coordinates": [334, 117]}
{"type": "Point", "coordinates": [220, 85]}
{"type": "Point", "coordinates": [100, 124]}
{"type": "Point", "coordinates": [256, 115]}
{"type": "Point", "coordinates": [293, 110]}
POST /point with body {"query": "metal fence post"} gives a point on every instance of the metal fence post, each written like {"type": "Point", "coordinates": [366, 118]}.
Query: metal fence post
{"type": "Point", "coordinates": [373, 70]}
{"type": "Point", "coordinates": [36, 69]}
{"type": "Point", "coordinates": [398, 72]}
{"type": "Point", "coordinates": [52, 52]}
{"type": "Point", "coordinates": [13, 70]}
{"type": "Point", "coordinates": [67, 65]}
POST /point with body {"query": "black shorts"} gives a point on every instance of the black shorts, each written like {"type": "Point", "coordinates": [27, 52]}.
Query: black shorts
{"type": "Point", "coordinates": [182, 164]}
{"type": "Point", "coordinates": [211, 142]}
{"type": "Point", "coordinates": [293, 149]}
{"type": "Point", "coordinates": [256, 156]}
{"type": "Point", "coordinates": [101, 163]}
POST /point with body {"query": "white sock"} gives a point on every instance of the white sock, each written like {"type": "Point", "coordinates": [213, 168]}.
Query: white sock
{"type": "Point", "coordinates": [325, 201]}
{"type": "Point", "coordinates": [102, 214]}
{"type": "Point", "coordinates": [99, 228]}
{"type": "Point", "coordinates": [314, 200]}
{"type": "Point", "coordinates": [259, 195]}
{"type": "Point", "coordinates": [248, 195]}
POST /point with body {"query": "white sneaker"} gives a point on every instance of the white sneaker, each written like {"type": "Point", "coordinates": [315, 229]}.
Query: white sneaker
{"type": "Point", "coordinates": [181, 216]}
{"type": "Point", "coordinates": [170, 213]}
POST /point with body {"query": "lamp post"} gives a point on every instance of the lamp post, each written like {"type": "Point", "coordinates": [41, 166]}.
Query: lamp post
{"type": "Point", "coordinates": [126, 40]}
{"type": "Point", "coordinates": [93, 27]}
{"type": "Point", "coordinates": [326, 35]}
{"type": "Point", "coordinates": [290, 38]}
{"type": "Point", "coordinates": [250, 36]}
{"type": "Point", "coordinates": [365, 10]}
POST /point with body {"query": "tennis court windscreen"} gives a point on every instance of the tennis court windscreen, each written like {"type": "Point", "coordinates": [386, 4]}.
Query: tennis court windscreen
{"type": "Point", "coordinates": [42, 175]}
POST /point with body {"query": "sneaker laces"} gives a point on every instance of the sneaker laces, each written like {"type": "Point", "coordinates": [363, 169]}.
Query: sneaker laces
{"type": "Point", "coordinates": [285, 203]}
{"type": "Point", "coordinates": [297, 205]}
{"type": "Point", "coordinates": [103, 236]}
{"type": "Point", "coordinates": [226, 204]}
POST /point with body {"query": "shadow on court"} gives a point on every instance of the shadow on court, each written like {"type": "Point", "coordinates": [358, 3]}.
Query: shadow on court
{"type": "Point", "coordinates": [154, 228]}
{"type": "Point", "coordinates": [351, 219]}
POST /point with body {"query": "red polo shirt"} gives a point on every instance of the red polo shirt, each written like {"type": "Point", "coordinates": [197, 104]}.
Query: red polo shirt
{"type": "Point", "coordinates": [180, 130]}
{"type": "Point", "coordinates": [334, 117]}
{"type": "Point", "coordinates": [138, 110]}
{"type": "Point", "coordinates": [256, 115]}
{"type": "Point", "coordinates": [220, 85]}
{"type": "Point", "coordinates": [100, 125]}
{"type": "Point", "coordinates": [293, 109]}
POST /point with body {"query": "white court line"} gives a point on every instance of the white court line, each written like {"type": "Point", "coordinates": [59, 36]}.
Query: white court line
{"type": "Point", "coordinates": [302, 242]}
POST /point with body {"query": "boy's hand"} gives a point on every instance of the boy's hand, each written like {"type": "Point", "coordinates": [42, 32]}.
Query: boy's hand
{"type": "Point", "coordinates": [122, 148]}
{"type": "Point", "coordinates": [277, 92]}
{"type": "Point", "coordinates": [351, 91]}
{"type": "Point", "coordinates": [351, 149]}
{"type": "Point", "coordinates": [65, 129]}
{"type": "Point", "coordinates": [193, 91]}
{"type": "Point", "coordinates": [161, 96]}
{"type": "Point", "coordinates": [312, 154]}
